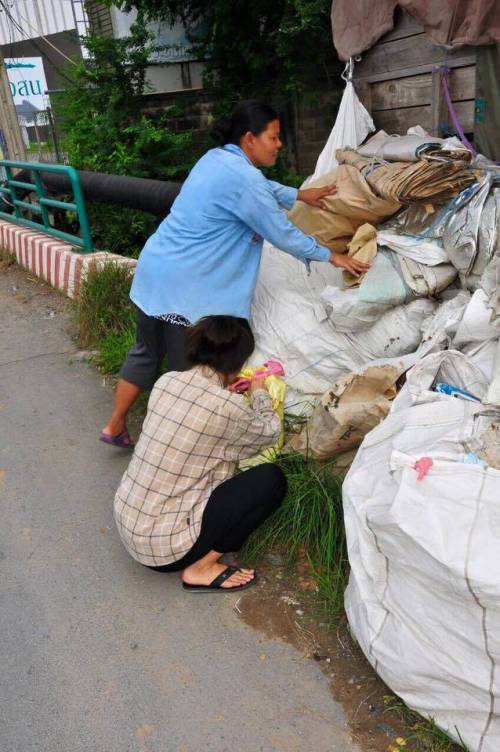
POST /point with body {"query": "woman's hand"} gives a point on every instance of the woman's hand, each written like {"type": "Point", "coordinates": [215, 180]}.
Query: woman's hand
{"type": "Point", "coordinates": [348, 263]}
{"type": "Point", "coordinates": [315, 196]}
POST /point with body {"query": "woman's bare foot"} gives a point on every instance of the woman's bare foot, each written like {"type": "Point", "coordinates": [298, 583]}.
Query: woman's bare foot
{"type": "Point", "coordinates": [204, 572]}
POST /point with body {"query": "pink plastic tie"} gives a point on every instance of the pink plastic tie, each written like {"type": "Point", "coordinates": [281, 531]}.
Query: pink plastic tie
{"type": "Point", "coordinates": [422, 466]}
{"type": "Point", "coordinates": [271, 368]}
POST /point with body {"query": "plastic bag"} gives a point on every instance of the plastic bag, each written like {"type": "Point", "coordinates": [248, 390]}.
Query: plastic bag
{"type": "Point", "coordinates": [348, 313]}
{"type": "Point", "coordinates": [423, 251]}
{"type": "Point", "coordinates": [352, 125]}
{"type": "Point", "coordinates": [276, 386]}
{"type": "Point", "coordinates": [292, 325]}
{"type": "Point", "coordinates": [460, 237]}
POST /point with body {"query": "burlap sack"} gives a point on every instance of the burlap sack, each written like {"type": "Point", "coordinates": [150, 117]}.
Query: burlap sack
{"type": "Point", "coordinates": [354, 204]}
{"type": "Point", "coordinates": [363, 247]}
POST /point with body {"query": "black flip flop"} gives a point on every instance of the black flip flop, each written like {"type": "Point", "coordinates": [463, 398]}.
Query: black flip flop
{"type": "Point", "coordinates": [216, 585]}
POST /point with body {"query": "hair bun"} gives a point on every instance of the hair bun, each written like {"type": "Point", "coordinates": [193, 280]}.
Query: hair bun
{"type": "Point", "coordinates": [221, 131]}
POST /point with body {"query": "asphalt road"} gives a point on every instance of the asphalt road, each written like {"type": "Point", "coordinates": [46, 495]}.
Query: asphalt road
{"type": "Point", "coordinates": [99, 654]}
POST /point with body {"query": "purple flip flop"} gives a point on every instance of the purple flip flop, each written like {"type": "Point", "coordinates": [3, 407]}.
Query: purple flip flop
{"type": "Point", "coordinates": [122, 440]}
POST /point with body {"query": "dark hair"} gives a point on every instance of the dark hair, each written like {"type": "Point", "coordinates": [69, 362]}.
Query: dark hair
{"type": "Point", "coordinates": [222, 342]}
{"type": "Point", "coordinates": [250, 115]}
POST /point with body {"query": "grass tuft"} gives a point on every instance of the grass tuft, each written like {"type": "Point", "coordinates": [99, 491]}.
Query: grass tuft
{"type": "Point", "coordinates": [113, 349]}
{"type": "Point", "coordinates": [425, 735]}
{"type": "Point", "coordinates": [105, 315]}
{"type": "Point", "coordinates": [309, 523]}
{"type": "Point", "coordinates": [7, 258]}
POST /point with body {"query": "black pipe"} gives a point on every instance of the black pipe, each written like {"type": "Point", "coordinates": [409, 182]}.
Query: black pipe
{"type": "Point", "coordinates": [152, 196]}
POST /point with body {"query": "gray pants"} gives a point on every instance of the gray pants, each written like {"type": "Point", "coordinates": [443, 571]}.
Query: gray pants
{"type": "Point", "coordinates": [155, 339]}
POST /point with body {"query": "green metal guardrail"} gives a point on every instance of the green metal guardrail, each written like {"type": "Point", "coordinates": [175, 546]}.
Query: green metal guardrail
{"type": "Point", "coordinates": [44, 203]}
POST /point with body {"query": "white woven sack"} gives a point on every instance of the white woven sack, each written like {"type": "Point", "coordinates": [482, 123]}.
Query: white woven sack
{"type": "Point", "coordinates": [424, 593]}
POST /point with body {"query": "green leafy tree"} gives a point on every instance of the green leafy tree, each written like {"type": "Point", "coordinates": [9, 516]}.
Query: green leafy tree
{"type": "Point", "coordinates": [261, 48]}
{"type": "Point", "coordinates": [100, 113]}
{"type": "Point", "coordinates": [103, 130]}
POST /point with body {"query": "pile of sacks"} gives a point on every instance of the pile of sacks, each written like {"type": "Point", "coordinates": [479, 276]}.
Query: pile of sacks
{"type": "Point", "coordinates": [324, 325]}
{"type": "Point", "coordinates": [406, 364]}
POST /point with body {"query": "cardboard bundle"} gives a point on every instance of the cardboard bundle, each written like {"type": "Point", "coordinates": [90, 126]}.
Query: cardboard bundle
{"type": "Point", "coordinates": [428, 180]}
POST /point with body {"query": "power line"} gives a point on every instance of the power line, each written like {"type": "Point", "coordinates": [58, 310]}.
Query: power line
{"type": "Point", "coordinates": [33, 28]}
{"type": "Point", "coordinates": [15, 25]}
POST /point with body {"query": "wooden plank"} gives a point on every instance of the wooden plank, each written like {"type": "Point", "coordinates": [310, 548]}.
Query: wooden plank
{"type": "Point", "coordinates": [465, 112]}
{"type": "Point", "coordinates": [413, 91]}
{"type": "Point", "coordinates": [437, 104]}
{"type": "Point", "coordinates": [413, 70]}
{"type": "Point", "coordinates": [399, 120]}
{"type": "Point", "coordinates": [364, 92]}
{"type": "Point", "coordinates": [388, 57]}
{"type": "Point", "coordinates": [404, 26]}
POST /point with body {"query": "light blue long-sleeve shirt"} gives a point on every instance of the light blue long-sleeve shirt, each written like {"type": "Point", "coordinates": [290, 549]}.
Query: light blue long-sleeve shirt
{"type": "Point", "coordinates": [204, 257]}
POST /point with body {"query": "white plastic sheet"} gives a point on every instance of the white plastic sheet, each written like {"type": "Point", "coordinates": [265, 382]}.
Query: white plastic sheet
{"type": "Point", "coordinates": [493, 395]}
{"type": "Point", "coordinates": [395, 148]}
{"type": "Point", "coordinates": [423, 251]}
{"type": "Point", "coordinates": [423, 599]}
{"type": "Point", "coordinates": [291, 324]}
{"type": "Point", "coordinates": [352, 126]}
{"type": "Point", "coordinates": [475, 325]}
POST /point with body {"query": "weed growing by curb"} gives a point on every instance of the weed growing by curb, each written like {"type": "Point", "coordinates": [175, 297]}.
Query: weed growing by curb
{"type": "Point", "coordinates": [7, 258]}
{"type": "Point", "coordinates": [309, 523]}
{"type": "Point", "coordinates": [425, 735]}
{"type": "Point", "coordinates": [105, 315]}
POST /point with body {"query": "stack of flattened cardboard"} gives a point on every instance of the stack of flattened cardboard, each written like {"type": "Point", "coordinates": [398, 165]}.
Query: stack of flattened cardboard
{"type": "Point", "coordinates": [433, 178]}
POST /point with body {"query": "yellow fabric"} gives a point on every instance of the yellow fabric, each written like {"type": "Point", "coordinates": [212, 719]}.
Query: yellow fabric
{"type": "Point", "coordinates": [363, 247]}
{"type": "Point", "coordinates": [276, 387]}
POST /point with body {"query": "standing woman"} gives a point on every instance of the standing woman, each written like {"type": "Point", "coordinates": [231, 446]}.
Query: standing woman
{"type": "Point", "coordinates": [204, 257]}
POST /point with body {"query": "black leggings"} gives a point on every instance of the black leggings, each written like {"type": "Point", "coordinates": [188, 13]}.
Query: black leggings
{"type": "Point", "coordinates": [234, 510]}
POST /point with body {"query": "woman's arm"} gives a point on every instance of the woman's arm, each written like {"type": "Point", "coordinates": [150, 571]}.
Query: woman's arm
{"type": "Point", "coordinates": [285, 195]}
{"type": "Point", "coordinates": [257, 207]}
{"type": "Point", "coordinates": [253, 427]}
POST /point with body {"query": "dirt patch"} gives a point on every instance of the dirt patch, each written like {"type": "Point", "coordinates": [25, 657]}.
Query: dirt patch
{"type": "Point", "coordinates": [31, 295]}
{"type": "Point", "coordinates": [285, 606]}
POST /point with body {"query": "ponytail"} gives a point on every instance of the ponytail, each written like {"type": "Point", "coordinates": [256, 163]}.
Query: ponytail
{"type": "Point", "coordinates": [249, 116]}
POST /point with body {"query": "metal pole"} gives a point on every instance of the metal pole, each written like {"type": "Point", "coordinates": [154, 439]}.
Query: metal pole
{"type": "Point", "coordinates": [52, 127]}
{"type": "Point", "coordinates": [8, 118]}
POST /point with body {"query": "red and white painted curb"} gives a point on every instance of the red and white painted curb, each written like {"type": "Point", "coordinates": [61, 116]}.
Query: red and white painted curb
{"type": "Point", "coordinates": [54, 261]}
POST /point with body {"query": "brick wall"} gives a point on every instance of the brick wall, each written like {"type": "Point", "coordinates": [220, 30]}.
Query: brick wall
{"type": "Point", "coordinates": [306, 123]}
{"type": "Point", "coordinates": [314, 122]}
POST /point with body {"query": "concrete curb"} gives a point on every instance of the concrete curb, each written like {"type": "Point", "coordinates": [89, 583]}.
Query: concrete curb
{"type": "Point", "coordinates": [57, 263]}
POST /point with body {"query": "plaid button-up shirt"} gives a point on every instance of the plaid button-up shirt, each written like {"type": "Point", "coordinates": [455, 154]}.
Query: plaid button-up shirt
{"type": "Point", "coordinates": [194, 433]}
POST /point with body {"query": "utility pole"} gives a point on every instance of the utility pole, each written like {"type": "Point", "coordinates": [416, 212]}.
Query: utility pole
{"type": "Point", "coordinates": [8, 118]}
